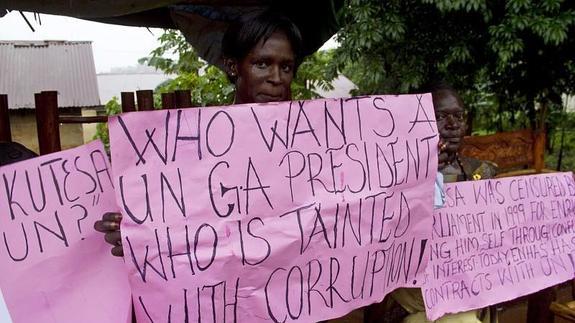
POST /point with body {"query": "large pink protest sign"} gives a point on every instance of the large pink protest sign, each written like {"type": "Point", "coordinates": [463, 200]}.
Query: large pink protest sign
{"type": "Point", "coordinates": [55, 267]}
{"type": "Point", "coordinates": [497, 240]}
{"type": "Point", "coordinates": [274, 212]}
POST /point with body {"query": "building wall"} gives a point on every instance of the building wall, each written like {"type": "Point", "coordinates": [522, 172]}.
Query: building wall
{"type": "Point", "coordinates": [23, 126]}
{"type": "Point", "coordinates": [28, 67]}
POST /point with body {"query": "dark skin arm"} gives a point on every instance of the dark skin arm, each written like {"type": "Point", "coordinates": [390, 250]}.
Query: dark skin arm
{"type": "Point", "coordinates": [110, 226]}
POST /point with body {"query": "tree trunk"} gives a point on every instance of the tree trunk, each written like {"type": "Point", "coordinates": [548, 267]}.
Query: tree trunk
{"type": "Point", "coordinates": [560, 158]}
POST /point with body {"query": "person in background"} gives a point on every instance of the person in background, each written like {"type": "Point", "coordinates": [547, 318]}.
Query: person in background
{"type": "Point", "coordinates": [261, 55]}
{"type": "Point", "coordinates": [12, 152]}
{"type": "Point", "coordinates": [450, 118]}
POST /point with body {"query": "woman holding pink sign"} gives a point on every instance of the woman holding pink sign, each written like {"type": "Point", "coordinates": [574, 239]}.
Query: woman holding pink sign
{"type": "Point", "coordinates": [261, 55]}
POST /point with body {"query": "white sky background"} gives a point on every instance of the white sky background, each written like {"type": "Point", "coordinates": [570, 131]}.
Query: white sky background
{"type": "Point", "coordinates": [113, 45]}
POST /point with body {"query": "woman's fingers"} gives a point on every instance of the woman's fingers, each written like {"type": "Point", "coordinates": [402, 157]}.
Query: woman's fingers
{"type": "Point", "coordinates": [109, 222]}
{"type": "Point", "coordinates": [118, 251]}
{"type": "Point", "coordinates": [113, 238]}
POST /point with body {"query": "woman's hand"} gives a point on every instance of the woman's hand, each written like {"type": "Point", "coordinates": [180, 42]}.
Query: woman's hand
{"type": "Point", "coordinates": [443, 157]}
{"type": "Point", "coordinates": [110, 226]}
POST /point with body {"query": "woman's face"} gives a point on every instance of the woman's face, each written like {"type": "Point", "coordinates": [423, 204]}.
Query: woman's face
{"type": "Point", "coordinates": [266, 73]}
{"type": "Point", "coordinates": [450, 116]}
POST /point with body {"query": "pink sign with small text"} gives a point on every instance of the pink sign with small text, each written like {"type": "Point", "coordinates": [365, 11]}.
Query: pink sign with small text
{"type": "Point", "coordinates": [496, 240]}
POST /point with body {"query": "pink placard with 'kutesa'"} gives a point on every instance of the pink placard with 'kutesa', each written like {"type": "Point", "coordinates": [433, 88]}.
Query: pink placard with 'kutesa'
{"type": "Point", "coordinates": [271, 212]}
{"type": "Point", "coordinates": [55, 267]}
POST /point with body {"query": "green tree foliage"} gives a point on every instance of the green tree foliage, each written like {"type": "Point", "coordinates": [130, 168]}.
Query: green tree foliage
{"type": "Point", "coordinates": [511, 59]}
{"type": "Point", "coordinates": [561, 141]}
{"type": "Point", "coordinates": [208, 85]}
{"type": "Point", "coordinates": [520, 51]}
{"type": "Point", "coordinates": [313, 74]}
{"type": "Point", "coordinates": [112, 107]}
{"type": "Point", "coordinates": [399, 45]}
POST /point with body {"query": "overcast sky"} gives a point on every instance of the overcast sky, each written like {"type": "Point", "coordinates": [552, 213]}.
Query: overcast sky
{"type": "Point", "coordinates": [113, 46]}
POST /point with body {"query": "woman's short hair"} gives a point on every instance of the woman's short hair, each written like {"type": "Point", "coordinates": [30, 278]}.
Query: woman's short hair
{"type": "Point", "coordinates": [245, 33]}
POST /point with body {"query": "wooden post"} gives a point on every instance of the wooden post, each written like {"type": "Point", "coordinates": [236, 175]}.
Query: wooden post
{"type": "Point", "coordinates": [168, 101]}
{"type": "Point", "coordinates": [145, 100]}
{"type": "Point", "coordinates": [128, 103]}
{"type": "Point", "coordinates": [47, 121]}
{"type": "Point", "coordinates": [5, 133]}
{"type": "Point", "coordinates": [183, 99]}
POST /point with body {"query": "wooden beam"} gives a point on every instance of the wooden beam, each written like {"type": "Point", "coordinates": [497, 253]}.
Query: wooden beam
{"type": "Point", "coordinates": [80, 119]}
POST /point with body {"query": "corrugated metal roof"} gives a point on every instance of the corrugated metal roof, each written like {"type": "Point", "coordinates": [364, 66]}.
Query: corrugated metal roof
{"type": "Point", "coordinates": [28, 67]}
